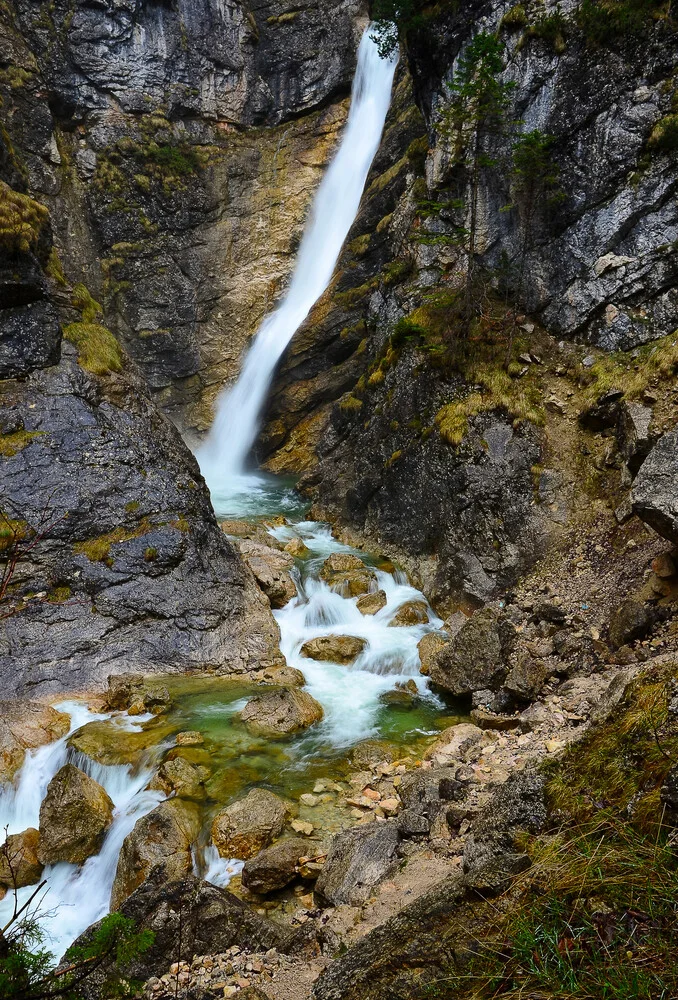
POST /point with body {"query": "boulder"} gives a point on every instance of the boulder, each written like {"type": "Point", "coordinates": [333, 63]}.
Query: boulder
{"type": "Point", "coordinates": [109, 744]}
{"type": "Point", "coordinates": [187, 917]}
{"type": "Point", "coordinates": [633, 433]}
{"type": "Point", "coordinates": [297, 548]}
{"type": "Point", "coordinates": [74, 817]}
{"type": "Point", "coordinates": [369, 604]}
{"type": "Point", "coordinates": [347, 574]}
{"type": "Point", "coordinates": [274, 867]}
{"type": "Point", "coordinates": [179, 776]}
{"type": "Point", "coordinates": [631, 621]}
{"type": "Point", "coordinates": [429, 645]}
{"type": "Point", "coordinates": [136, 694]}
{"type": "Point", "coordinates": [371, 752]}
{"type": "Point", "coordinates": [357, 859]}
{"type": "Point", "coordinates": [426, 794]}
{"type": "Point", "coordinates": [247, 826]}
{"type": "Point", "coordinates": [271, 569]}
{"type": "Point", "coordinates": [334, 648]}
{"type": "Point", "coordinates": [410, 613]}
{"type": "Point", "coordinates": [19, 862]}
{"type": "Point", "coordinates": [281, 712]}
{"type": "Point", "coordinates": [280, 676]}
{"type": "Point", "coordinates": [25, 725]}
{"type": "Point", "coordinates": [655, 491]}
{"type": "Point", "coordinates": [161, 839]}
{"type": "Point", "coordinates": [527, 677]}
{"type": "Point", "coordinates": [454, 743]}
{"type": "Point", "coordinates": [476, 657]}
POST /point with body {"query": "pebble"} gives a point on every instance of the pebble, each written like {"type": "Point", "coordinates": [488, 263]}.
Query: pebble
{"type": "Point", "coordinates": [307, 799]}
{"type": "Point", "coordinates": [300, 826]}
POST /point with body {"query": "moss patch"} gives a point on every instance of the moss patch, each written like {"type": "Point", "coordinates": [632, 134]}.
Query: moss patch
{"type": "Point", "coordinates": [99, 549]}
{"type": "Point", "coordinates": [98, 350]}
{"type": "Point", "coordinates": [22, 221]}
{"type": "Point", "coordinates": [12, 444]}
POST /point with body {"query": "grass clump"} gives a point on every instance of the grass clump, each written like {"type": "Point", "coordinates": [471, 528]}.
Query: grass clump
{"type": "Point", "coordinates": [350, 404]}
{"type": "Point", "coordinates": [634, 372]}
{"type": "Point", "coordinates": [89, 308]}
{"type": "Point", "coordinates": [98, 350]}
{"type": "Point", "coordinates": [99, 549]}
{"type": "Point", "coordinates": [604, 22]}
{"type": "Point", "coordinates": [515, 18]}
{"type": "Point", "coordinates": [22, 221]}
{"type": "Point", "coordinates": [551, 29]}
{"type": "Point", "coordinates": [664, 136]}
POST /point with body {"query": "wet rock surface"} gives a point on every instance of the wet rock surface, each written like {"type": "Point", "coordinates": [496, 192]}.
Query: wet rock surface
{"type": "Point", "coordinates": [247, 826]}
{"type": "Point", "coordinates": [74, 817]}
{"type": "Point", "coordinates": [335, 648]}
{"type": "Point", "coordinates": [281, 712]}
{"type": "Point", "coordinates": [19, 861]}
{"type": "Point", "coordinates": [26, 725]}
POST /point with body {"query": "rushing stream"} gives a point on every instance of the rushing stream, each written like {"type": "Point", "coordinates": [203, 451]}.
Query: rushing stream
{"type": "Point", "coordinates": [123, 753]}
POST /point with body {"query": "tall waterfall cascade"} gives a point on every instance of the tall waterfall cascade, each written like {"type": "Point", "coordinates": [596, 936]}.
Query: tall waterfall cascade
{"type": "Point", "coordinates": [224, 454]}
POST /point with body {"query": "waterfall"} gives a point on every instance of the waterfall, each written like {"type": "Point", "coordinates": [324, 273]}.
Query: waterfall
{"type": "Point", "coordinates": [222, 457]}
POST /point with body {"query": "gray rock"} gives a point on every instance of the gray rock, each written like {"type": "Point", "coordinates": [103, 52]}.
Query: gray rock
{"type": "Point", "coordinates": [527, 677]}
{"type": "Point", "coordinates": [476, 657]}
{"type": "Point", "coordinates": [356, 861]}
{"type": "Point", "coordinates": [655, 491]}
{"type": "Point", "coordinates": [631, 621]}
{"type": "Point", "coordinates": [634, 438]}
{"type": "Point", "coordinates": [249, 824]}
{"type": "Point", "coordinates": [274, 867]}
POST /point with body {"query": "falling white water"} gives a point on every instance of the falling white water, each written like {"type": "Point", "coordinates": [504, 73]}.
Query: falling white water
{"type": "Point", "coordinates": [222, 458]}
{"type": "Point", "coordinates": [74, 897]}
{"type": "Point", "coordinates": [349, 694]}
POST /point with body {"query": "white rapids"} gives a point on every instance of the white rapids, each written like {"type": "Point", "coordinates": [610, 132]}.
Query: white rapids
{"type": "Point", "coordinates": [223, 456]}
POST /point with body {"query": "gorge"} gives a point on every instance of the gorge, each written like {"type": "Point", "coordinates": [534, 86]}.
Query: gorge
{"type": "Point", "coordinates": [347, 704]}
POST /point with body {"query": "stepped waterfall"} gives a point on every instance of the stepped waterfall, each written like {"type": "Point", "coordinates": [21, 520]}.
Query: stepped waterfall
{"type": "Point", "coordinates": [224, 454]}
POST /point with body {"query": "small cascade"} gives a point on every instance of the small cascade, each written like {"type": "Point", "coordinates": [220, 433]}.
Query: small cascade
{"type": "Point", "coordinates": [223, 456]}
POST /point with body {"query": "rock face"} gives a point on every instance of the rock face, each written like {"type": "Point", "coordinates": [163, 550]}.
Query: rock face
{"type": "Point", "coordinates": [136, 695]}
{"type": "Point", "coordinates": [25, 725]}
{"type": "Point", "coordinates": [160, 840]}
{"type": "Point", "coordinates": [74, 817]}
{"type": "Point", "coordinates": [19, 861]}
{"type": "Point", "coordinates": [475, 658]}
{"type": "Point", "coordinates": [335, 648]}
{"type": "Point", "coordinates": [356, 861]}
{"type": "Point", "coordinates": [655, 496]}
{"type": "Point", "coordinates": [271, 571]}
{"type": "Point", "coordinates": [274, 867]}
{"type": "Point", "coordinates": [249, 825]}
{"type": "Point", "coordinates": [281, 712]}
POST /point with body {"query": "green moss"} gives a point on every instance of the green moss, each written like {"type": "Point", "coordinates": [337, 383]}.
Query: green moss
{"type": "Point", "coordinates": [99, 549]}
{"type": "Point", "coordinates": [383, 180]}
{"type": "Point", "coordinates": [396, 271]}
{"type": "Point", "coordinates": [515, 18]}
{"type": "Point", "coordinates": [89, 308]}
{"type": "Point", "coordinates": [349, 404]}
{"type": "Point", "coordinates": [633, 371]}
{"type": "Point", "coordinates": [416, 153]}
{"type": "Point", "coordinates": [12, 444]}
{"type": "Point", "coordinates": [664, 136]}
{"type": "Point", "coordinates": [98, 350]}
{"type": "Point", "coordinates": [132, 506]}
{"type": "Point", "coordinates": [23, 221]}
{"type": "Point", "coordinates": [15, 77]}
{"type": "Point", "coordinates": [360, 245]}
{"type": "Point", "coordinates": [150, 554]}
{"type": "Point", "coordinates": [59, 594]}
{"type": "Point", "coordinates": [54, 270]}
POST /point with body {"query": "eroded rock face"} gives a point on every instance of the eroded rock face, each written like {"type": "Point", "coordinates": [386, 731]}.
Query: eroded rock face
{"type": "Point", "coordinates": [74, 817]}
{"type": "Point", "coordinates": [281, 712]}
{"type": "Point", "coordinates": [655, 495]}
{"type": "Point", "coordinates": [162, 839]}
{"type": "Point", "coordinates": [274, 867]}
{"type": "Point", "coordinates": [19, 861]}
{"type": "Point", "coordinates": [26, 725]}
{"type": "Point", "coordinates": [249, 825]}
{"type": "Point", "coordinates": [335, 648]}
{"type": "Point", "coordinates": [476, 657]}
{"type": "Point", "coordinates": [271, 569]}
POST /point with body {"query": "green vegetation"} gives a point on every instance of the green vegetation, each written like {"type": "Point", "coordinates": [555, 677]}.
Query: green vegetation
{"type": "Point", "coordinates": [595, 915]}
{"type": "Point", "coordinates": [607, 21]}
{"type": "Point", "coordinates": [633, 372]}
{"type": "Point", "coordinates": [515, 18]}
{"type": "Point", "coordinates": [54, 269]}
{"type": "Point", "coordinates": [99, 549]}
{"type": "Point", "coordinates": [350, 404]}
{"type": "Point", "coordinates": [664, 136]}
{"type": "Point", "coordinates": [89, 308]}
{"type": "Point", "coordinates": [12, 444]}
{"type": "Point", "coordinates": [551, 29]}
{"type": "Point", "coordinates": [27, 973]}
{"type": "Point", "coordinates": [98, 350]}
{"type": "Point", "coordinates": [22, 221]}
{"type": "Point", "coordinates": [392, 20]}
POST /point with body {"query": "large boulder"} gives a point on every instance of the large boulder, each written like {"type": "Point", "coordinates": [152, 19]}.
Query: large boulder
{"type": "Point", "coordinates": [136, 694]}
{"type": "Point", "coordinates": [410, 613]}
{"type": "Point", "coordinates": [429, 646]}
{"type": "Point", "coordinates": [161, 839]}
{"type": "Point", "coordinates": [109, 744]}
{"type": "Point", "coordinates": [476, 657]}
{"type": "Point", "coordinates": [248, 825]}
{"type": "Point", "coordinates": [347, 574]}
{"type": "Point", "coordinates": [25, 725]}
{"type": "Point", "coordinates": [279, 713]}
{"type": "Point", "coordinates": [188, 917]}
{"type": "Point", "coordinates": [633, 433]}
{"type": "Point", "coordinates": [630, 621]}
{"type": "Point", "coordinates": [357, 860]}
{"type": "Point", "coordinates": [274, 867]}
{"type": "Point", "coordinates": [181, 777]}
{"type": "Point", "coordinates": [271, 569]}
{"type": "Point", "coordinates": [655, 491]}
{"type": "Point", "coordinates": [370, 604]}
{"type": "Point", "coordinates": [19, 861]}
{"type": "Point", "coordinates": [74, 817]}
{"type": "Point", "coordinates": [334, 648]}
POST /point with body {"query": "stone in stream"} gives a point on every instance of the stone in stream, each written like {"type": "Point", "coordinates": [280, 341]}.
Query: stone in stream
{"type": "Point", "coordinates": [358, 858]}
{"type": "Point", "coordinates": [274, 867]}
{"type": "Point", "coordinates": [347, 574]}
{"type": "Point", "coordinates": [334, 648]}
{"type": "Point", "coordinates": [279, 713]}
{"type": "Point", "coordinates": [19, 862]}
{"type": "Point", "coordinates": [136, 694]}
{"type": "Point", "coordinates": [297, 548]}
{"type": "Point", "coordinates": [248, 825]}
{"type": "Point", "coordinates": [271, 571]}
{"type": "Point", "coordinates": [160, 839]}
{"type": "Point", "coordinates": [370, 604]}
{"type": "Point", "coordinates": [180, 776]}
{"type": "Point", "coordinates": [476, 657]}
{"type": "Point", "coordinates": [74, 817]}
{"type": "Point", "coordinates": [26, 725]}
{"type": "Point", "coordinates": [410, 613]}
{"type": "Point", "coordinates": [428, 646]}
{"type": "Point", "coordinates": [109, 744]}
